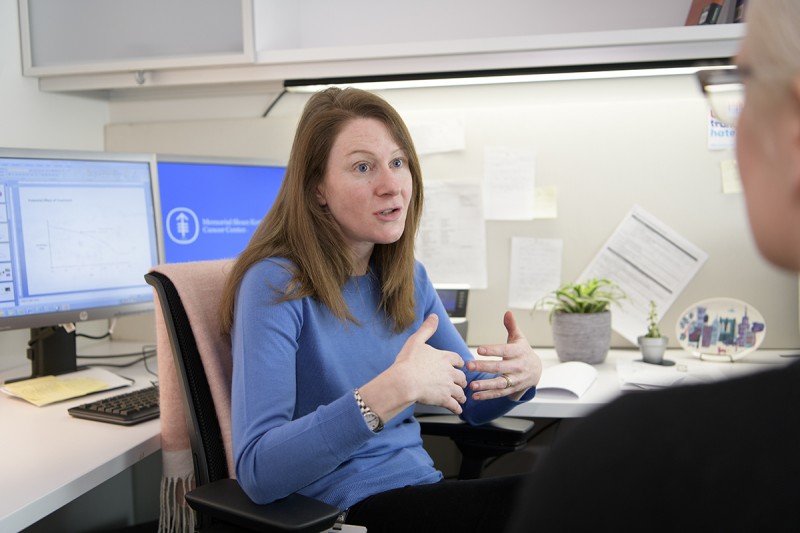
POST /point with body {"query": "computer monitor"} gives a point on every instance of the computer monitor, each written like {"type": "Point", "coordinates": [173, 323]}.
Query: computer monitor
{"type": "Point", "coordinates": [78, 231]}
{"type": "Point", "coordinates": [210, 207]}
{"type": "Point", "coordinates": [454, 298]}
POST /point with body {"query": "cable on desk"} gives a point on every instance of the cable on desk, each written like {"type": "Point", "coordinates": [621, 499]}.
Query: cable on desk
{"type": "Point", "coordinates": [94, 337]}
{"type": "Point", "coordinates": [105, 335]}
{"type": "Point", "coordinates": [146, 353]}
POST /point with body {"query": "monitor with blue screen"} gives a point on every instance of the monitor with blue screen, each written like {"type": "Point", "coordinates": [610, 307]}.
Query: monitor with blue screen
{"type": "Point", "coordinates": [78, 231]}
{"type": "Point", "coordinates": [210, 207]}
{"type": "Point", "coordinates": [454, 298]}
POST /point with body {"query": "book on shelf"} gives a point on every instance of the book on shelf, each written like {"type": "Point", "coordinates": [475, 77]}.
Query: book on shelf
{"type": "Point", "coordinates": [703, 12]}
{"type": "Point", "coordinates": [710, 14]}
{"type": "Point", "coordinates": [726, 14]}
{"type": "Point", "coordinates": [738, 10]}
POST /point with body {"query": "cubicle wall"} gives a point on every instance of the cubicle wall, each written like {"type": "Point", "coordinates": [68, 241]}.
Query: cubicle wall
{"type": "Point", "coordinates": [602, 146]}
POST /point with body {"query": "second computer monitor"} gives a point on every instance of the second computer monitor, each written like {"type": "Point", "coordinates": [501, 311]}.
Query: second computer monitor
{"type": "Point", "coordinates": [210, 207]}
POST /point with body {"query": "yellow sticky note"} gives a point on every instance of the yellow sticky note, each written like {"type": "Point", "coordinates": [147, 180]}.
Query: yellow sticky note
{"type": "Point", "coordinates": [731, 183]}
{"type": "Point", "coordinates": [49, 389]}
{"type": "Point", "coordinates": [545, 202]}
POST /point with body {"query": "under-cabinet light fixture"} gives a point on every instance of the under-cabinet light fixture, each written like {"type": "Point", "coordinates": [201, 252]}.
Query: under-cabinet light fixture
{"type": "Point", "coordinates": [378, 83]}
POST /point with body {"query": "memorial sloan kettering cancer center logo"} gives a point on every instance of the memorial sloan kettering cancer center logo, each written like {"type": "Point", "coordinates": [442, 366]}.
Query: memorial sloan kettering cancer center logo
{"type": "Point", "coordinates": [184, 226]}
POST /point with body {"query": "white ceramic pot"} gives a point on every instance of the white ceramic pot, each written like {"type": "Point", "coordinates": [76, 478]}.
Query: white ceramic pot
{"type": "Point", "coordinates": [582, 336]}
{"type": "Point", "coordinates": [653, 349]}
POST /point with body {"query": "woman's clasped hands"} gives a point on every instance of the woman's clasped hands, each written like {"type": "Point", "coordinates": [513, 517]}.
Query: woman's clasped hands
{"type": "Point", "coordinates": [435, 377]}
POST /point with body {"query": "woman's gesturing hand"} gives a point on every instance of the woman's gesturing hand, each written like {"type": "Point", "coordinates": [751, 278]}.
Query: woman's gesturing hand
{"type": "Point", "coordinates": [420, 373]}
{"type": "Point", "coordinates": [518, 365]}
{"type": "Point", "coordinates": [433, 375]}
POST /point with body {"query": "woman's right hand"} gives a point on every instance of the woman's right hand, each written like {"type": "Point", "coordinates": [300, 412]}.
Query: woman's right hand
{"type": "Point", "coordinates": [420, 373]}
{"type": "Point", "coordinates": [433, 375]}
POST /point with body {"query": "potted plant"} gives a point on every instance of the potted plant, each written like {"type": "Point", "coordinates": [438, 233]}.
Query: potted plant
{"type": "Point", "coordinates": [652, 344]}
{"type": "Point", "coordinates": [581, 318]}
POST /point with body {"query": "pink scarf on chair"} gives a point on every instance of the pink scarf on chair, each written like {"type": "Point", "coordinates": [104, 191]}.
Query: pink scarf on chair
{"type": "Point", "coordinates": [199, 285]}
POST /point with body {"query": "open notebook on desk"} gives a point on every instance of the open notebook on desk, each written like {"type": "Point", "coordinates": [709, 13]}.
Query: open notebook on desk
{"type": "Point", "coordinates": [570, 379]}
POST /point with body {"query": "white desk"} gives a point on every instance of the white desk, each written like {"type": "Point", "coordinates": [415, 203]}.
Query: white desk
{"type": "Point", "coordinates": [607, 386]}
{"type": "Point", "coordinates": [48, 458]}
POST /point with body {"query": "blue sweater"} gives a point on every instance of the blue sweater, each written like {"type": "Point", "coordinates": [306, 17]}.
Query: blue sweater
{"type": "Point", "coordinates": [296, 425]}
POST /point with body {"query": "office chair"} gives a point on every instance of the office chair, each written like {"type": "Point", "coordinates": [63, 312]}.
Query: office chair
{"type": "Point", "coordinates": [218, 499]}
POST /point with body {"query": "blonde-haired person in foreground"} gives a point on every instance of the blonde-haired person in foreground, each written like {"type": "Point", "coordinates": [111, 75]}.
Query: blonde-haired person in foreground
{"type": "Point", "coordinates": [717, 457]}
{"type": "Point", "coordinates": [337, 333]}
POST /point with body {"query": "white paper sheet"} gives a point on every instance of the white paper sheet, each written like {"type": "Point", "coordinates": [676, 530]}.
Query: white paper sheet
{"type": "Point", "coordinates": [650, 261]}
{"type": "Point", "coordinates": [452, 238]}
{"type": "Point", "coordinates": [637, 375]}
{"type": "Point", "coordinates": [434, 134]}
{"type": "Point", "coordinates": [535, 270]}
{"type": "Point", "coordinates": [509, 175]}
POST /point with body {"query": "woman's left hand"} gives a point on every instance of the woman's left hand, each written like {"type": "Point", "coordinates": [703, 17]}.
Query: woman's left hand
{"type": "Point", "coordinates": [519, 367]}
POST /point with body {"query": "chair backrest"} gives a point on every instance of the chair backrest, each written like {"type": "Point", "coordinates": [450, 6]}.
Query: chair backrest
{"type": "Point", "coordinates": [188, 298]}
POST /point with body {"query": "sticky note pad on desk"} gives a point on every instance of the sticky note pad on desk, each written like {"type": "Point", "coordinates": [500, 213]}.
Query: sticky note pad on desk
{"type": "Point", "coordinates": [50, 389]}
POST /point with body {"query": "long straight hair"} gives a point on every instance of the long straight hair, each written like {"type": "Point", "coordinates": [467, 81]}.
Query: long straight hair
{"type": "Point", "coordinates": [299, 229]}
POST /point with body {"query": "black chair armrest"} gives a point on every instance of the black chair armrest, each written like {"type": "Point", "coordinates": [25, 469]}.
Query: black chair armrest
{"type": "Point", "coordinates": [506, 431]}
{"type": "Point", "coordinates": [478, 444]}
{"type": "Point", "coordinates": [225, 500]}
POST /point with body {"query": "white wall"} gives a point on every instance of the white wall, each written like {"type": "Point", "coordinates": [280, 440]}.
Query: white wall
{"type": "Point", "coordinates": [224, 122]}
{"type": "Point", "coordinates": [32, 119]}
{"type": "Point", "coordinates": [605, 145]}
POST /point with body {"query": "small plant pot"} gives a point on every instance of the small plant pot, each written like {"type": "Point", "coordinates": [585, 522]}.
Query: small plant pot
{"type": "Point", "coordinates": [653, 349]}
{"type": "Point", "coordinates": [582, 336]}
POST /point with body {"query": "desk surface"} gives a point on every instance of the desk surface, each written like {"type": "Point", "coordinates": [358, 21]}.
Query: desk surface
{"type": "Point", "coordinates": [51, 458]}
{"type": "Point", "coordinates": [607, 385]}
{"type": "Point", "coordinates": [48, 458]}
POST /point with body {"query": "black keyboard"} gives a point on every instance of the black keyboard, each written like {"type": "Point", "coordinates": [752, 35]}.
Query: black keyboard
{"type": "Point", "coordinates": [127, 408]}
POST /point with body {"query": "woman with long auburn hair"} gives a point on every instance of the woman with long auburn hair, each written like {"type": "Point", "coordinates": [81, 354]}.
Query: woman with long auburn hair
{"type": "Point", "coordinates": [337, 332]}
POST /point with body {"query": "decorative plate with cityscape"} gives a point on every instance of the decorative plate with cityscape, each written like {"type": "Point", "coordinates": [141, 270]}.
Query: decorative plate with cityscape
{"type": "Point", "coordinates": [720, 329]}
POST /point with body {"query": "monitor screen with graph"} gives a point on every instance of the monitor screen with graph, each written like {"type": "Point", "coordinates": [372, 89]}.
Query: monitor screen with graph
{"type": "Point", "coordinates": [78, 231]}
{"type": "Point", "coordinates": [210, 207]}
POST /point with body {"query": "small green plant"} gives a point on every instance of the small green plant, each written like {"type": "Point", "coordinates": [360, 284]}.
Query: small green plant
{"type": "Point", "coordinates": [652, 322]}
{"type": "Point", "coordinates": [590, 296]}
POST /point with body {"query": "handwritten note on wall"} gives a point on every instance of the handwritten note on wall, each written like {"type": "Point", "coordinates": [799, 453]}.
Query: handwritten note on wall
{"type": "Point", "coordinates": [535, 270]}
{"type": "Point", "coordinates": [451, 242]}
{"type": "Point", "coordinates": [434, 134]}
{"type": "Point", "coordinates": [509, 175]}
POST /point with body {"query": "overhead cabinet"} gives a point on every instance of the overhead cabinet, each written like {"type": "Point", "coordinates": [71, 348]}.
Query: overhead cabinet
{"type": "Point", "coordinates": [120, 44]}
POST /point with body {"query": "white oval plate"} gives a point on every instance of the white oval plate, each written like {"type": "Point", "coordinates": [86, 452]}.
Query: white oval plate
{"type": "Point", "coordinates": [720, 329]}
